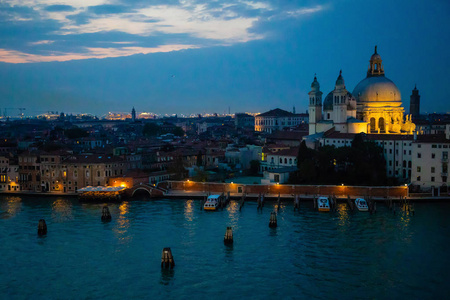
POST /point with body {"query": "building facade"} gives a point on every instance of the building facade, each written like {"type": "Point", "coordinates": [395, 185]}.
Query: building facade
{"type": "Point", "coordinates": [278, 119]}
{"type": "Point", "coordinates": [374, 106]}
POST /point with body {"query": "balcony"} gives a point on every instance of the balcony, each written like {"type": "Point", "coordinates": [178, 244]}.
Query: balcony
{"type": "Point", "coordinates": [444, 173]}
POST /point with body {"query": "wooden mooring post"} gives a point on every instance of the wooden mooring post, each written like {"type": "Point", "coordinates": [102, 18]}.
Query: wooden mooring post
{"type": "Point", "coordinates": [273, 220]}
{"type": "Point", "coordinates": [106, 215]}
{"type": "Point", "coordinates": [202, 203]}
{"type": "Point", "coordinates": [350, 203]}
{"type": "Point", "coordinates": [228, 239]}
{"type": "Point", "coordinates": [278, 202]}
{"type": "Point", "coordinates": [297, 202]}
{"type": "Point", "coordinates": [241, 203]}
{"type": "Point", "coordinates": [167, 260]}
{"type": "Point", "coordinates": [42, 227]}
{"type": "Point", "coordinates": [260, 201]}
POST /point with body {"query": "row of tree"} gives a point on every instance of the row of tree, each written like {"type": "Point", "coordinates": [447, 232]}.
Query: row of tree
{"type": "Point", "coordinates": [362, 163]}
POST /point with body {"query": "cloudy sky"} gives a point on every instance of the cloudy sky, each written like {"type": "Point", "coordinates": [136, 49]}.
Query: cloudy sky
{"type": "Point", "coordinates": [211, 56]}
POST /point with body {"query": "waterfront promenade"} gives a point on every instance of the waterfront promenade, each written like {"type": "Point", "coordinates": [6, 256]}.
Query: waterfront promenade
{"type": "Point", "coordinates": [199, 190]}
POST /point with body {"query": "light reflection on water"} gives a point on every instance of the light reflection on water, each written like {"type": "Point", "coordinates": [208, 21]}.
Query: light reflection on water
{"type": "Point", "coordinates": [11, 207]}
{"type": "Point", "coordinates": [62, 210]}
{"type": "Point", "coordinates": [122, 224]}
{"type": "Point", "coordinates": [309, 255]}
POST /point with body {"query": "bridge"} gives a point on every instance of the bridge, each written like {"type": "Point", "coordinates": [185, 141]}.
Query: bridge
{"type": "Point", "coordinates": [152, 191]}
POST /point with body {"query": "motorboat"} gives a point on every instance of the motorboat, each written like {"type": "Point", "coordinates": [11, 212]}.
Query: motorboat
{"type": "Point", "coordinates": [212, 202]}
{"type": "Point", "coordinates": [361, 204]}
{"type": "Point", "coordinates": [323, 204]}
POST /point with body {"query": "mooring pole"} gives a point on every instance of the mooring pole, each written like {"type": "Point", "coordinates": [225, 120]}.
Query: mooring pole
{"type": "Point", "coordinates": [42, 227]}
{"type": "Point", "coordinates": [167, 260]}
{"type": "Point", "coordinates": [106, 215]}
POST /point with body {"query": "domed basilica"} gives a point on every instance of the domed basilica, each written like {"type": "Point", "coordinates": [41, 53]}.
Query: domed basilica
{"type": "Point", "coordinates": [374, 106]}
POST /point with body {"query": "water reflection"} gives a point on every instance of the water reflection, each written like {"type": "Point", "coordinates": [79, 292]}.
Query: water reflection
{"type": "Point", "coordinates": [122, 224]}
{"type": "Point", "coordinates": [189, 210]}
{"type": "Point", "coordinates": [233, 212]}
{"type": "Point", "coordinates": [167, 276]}
{"type": "Point", "coordinates": [62, 210]}
{"type": "Point", "coordinates": [343, 216]}
{"type": "Point", "coordinates": [11, 207]}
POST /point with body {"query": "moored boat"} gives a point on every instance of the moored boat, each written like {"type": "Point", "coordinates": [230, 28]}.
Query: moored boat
{"type": "Point", "coordinates": [212, 203]}
{"type": "Point", "coordinates": [361, 204]}
{"type": "Point", "coordinates": [323, 204]}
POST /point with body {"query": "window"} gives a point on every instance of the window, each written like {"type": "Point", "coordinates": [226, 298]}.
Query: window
{"type": "Point", "coordinates": [433, 155]}
{"type": "Point", "coordinates": [432, 169]}
{"type": "Point", "coordinates": [419, 155]}
{"type": "Point", "coordinates": [390, 163]}
{"type": "Point", "coordinates": [432, 179]}
{"type": "Point", "coordinates": [418, 178]}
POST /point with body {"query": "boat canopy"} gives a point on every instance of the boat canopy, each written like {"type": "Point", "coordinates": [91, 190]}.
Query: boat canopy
{"type": "Point", "coordinates": [211, 197]}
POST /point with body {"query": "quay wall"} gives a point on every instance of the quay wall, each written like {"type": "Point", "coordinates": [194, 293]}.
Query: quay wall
{"type": "Point", "coordinates": [275, 189]}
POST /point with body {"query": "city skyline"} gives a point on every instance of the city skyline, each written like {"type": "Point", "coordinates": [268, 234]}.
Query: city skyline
{"type": "Point", "coordinates": [185, 57]}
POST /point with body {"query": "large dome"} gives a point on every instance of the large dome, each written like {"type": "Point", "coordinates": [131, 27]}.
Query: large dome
{"type": "Point", "coordinates": [377, 91]}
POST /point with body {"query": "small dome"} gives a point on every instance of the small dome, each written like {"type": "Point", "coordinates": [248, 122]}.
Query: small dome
{"type": "Point", "coordinates": [315, 84]}
{"type": "Point", "coordinates": [377, 90]}
{"type": "Point", "coordinates": [328, 102]}
{"type": "Point", "coordinates": [340, 79]}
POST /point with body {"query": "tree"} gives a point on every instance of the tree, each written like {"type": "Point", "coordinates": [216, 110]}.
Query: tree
{"type": "Point", "coordinates": [178, 131]}
{"type": "Point", "coordinates": [199, 158]}
{"type": "Point", "coordinates": [75, 133]}
{"type": "Point", "coordinates": [254, 167]}
{"type": "Point", "coordinates": [150, 129]}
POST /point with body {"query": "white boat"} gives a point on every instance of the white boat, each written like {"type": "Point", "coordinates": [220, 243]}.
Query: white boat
{"type": "Point", "coordinates": [361, 204]}
{"type": "Point", "coordinates": [323, 204]}
{"type": "Point", "coordinates": [212, 203]}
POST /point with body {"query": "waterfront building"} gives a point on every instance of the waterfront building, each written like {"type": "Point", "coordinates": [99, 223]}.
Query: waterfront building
{"type": "Point", "coordinates": [243, 120]}
{"type": "Point", "coordinates": [374, 106]}
{"type": "Point", "coordinates": [279, 158]}
{"type": "Point", "coordinates": [29, 171]}
{"type": "Point", "coordinates": [430, 167]}
{"type": "Point", "coordinates": [278, 119]}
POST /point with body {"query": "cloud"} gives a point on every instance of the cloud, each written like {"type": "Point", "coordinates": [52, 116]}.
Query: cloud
{"type": "Point", "coordinates": [12, 56]}
{"type": "Point", "coordinates": [43, 42]}
{"type": "Point", "coordinates": [184, 22]}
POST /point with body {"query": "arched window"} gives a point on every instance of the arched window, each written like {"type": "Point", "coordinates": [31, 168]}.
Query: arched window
{"type": "Point", "coordinates": [372, 124]}
{"type": "Point", "coordinates": [404, 164]}
{"type": "Point", "coordinates": [290, 161]}
{"type": "Point", "coordinates": [281, 160]}
{"type": "Point", "coordinates": [409, 164]}
{"type": "Point", "coordinates": [381, 125]}
{"type": "Point", "coordinates": [285, 160]}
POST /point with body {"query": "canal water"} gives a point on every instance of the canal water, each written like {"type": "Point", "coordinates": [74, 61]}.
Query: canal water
{"type": "Point", "coordinates": [310, 255]}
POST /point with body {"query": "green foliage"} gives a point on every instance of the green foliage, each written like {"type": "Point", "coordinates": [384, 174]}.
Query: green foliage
{"type": "Point", "coordinates": [178, 131]}
{"type": "Point", "coordinates": [150, 129]}
{"type": "Point", "coordinates": [199, 158]}
{"type": "Point", "coordinates": [75, 133]}
{"type": "Point", "coordinates": [254, 167]}
{"type": "Point", "coordinates": [361, 164]}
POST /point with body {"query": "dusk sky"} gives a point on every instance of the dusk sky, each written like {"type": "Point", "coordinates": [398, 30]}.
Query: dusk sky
{"type": "Point", "coordinates": [100, 56]}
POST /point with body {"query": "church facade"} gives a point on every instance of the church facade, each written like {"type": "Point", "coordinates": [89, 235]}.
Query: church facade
{"type": "Point", "coordinates": [374, 106]}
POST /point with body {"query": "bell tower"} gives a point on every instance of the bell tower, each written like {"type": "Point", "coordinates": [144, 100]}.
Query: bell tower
{"type": "Point", "coordinates": [315, 105]}
{"type": "Point", "coordinates": [340, 102]}
{"type": "Point", "coordinates": [375, 65]}
{"type": "Point", "coordinates": [414, 104]}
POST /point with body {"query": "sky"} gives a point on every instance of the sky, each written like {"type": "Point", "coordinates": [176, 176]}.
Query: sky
{"type": "Point", "coordinates": [185, 57]}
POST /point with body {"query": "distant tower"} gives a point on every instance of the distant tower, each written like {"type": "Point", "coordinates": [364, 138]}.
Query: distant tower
{"type": "Point", "coordinates": [133, 115]}
{"type": "Point", "coordinates": [293, 109]}
{"type": "Point", "coordinates": [340, 103]}
{"type": "Point", "coordinates": [414, 104]}
{"type": "Point", "coordinates": [315, 105]}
